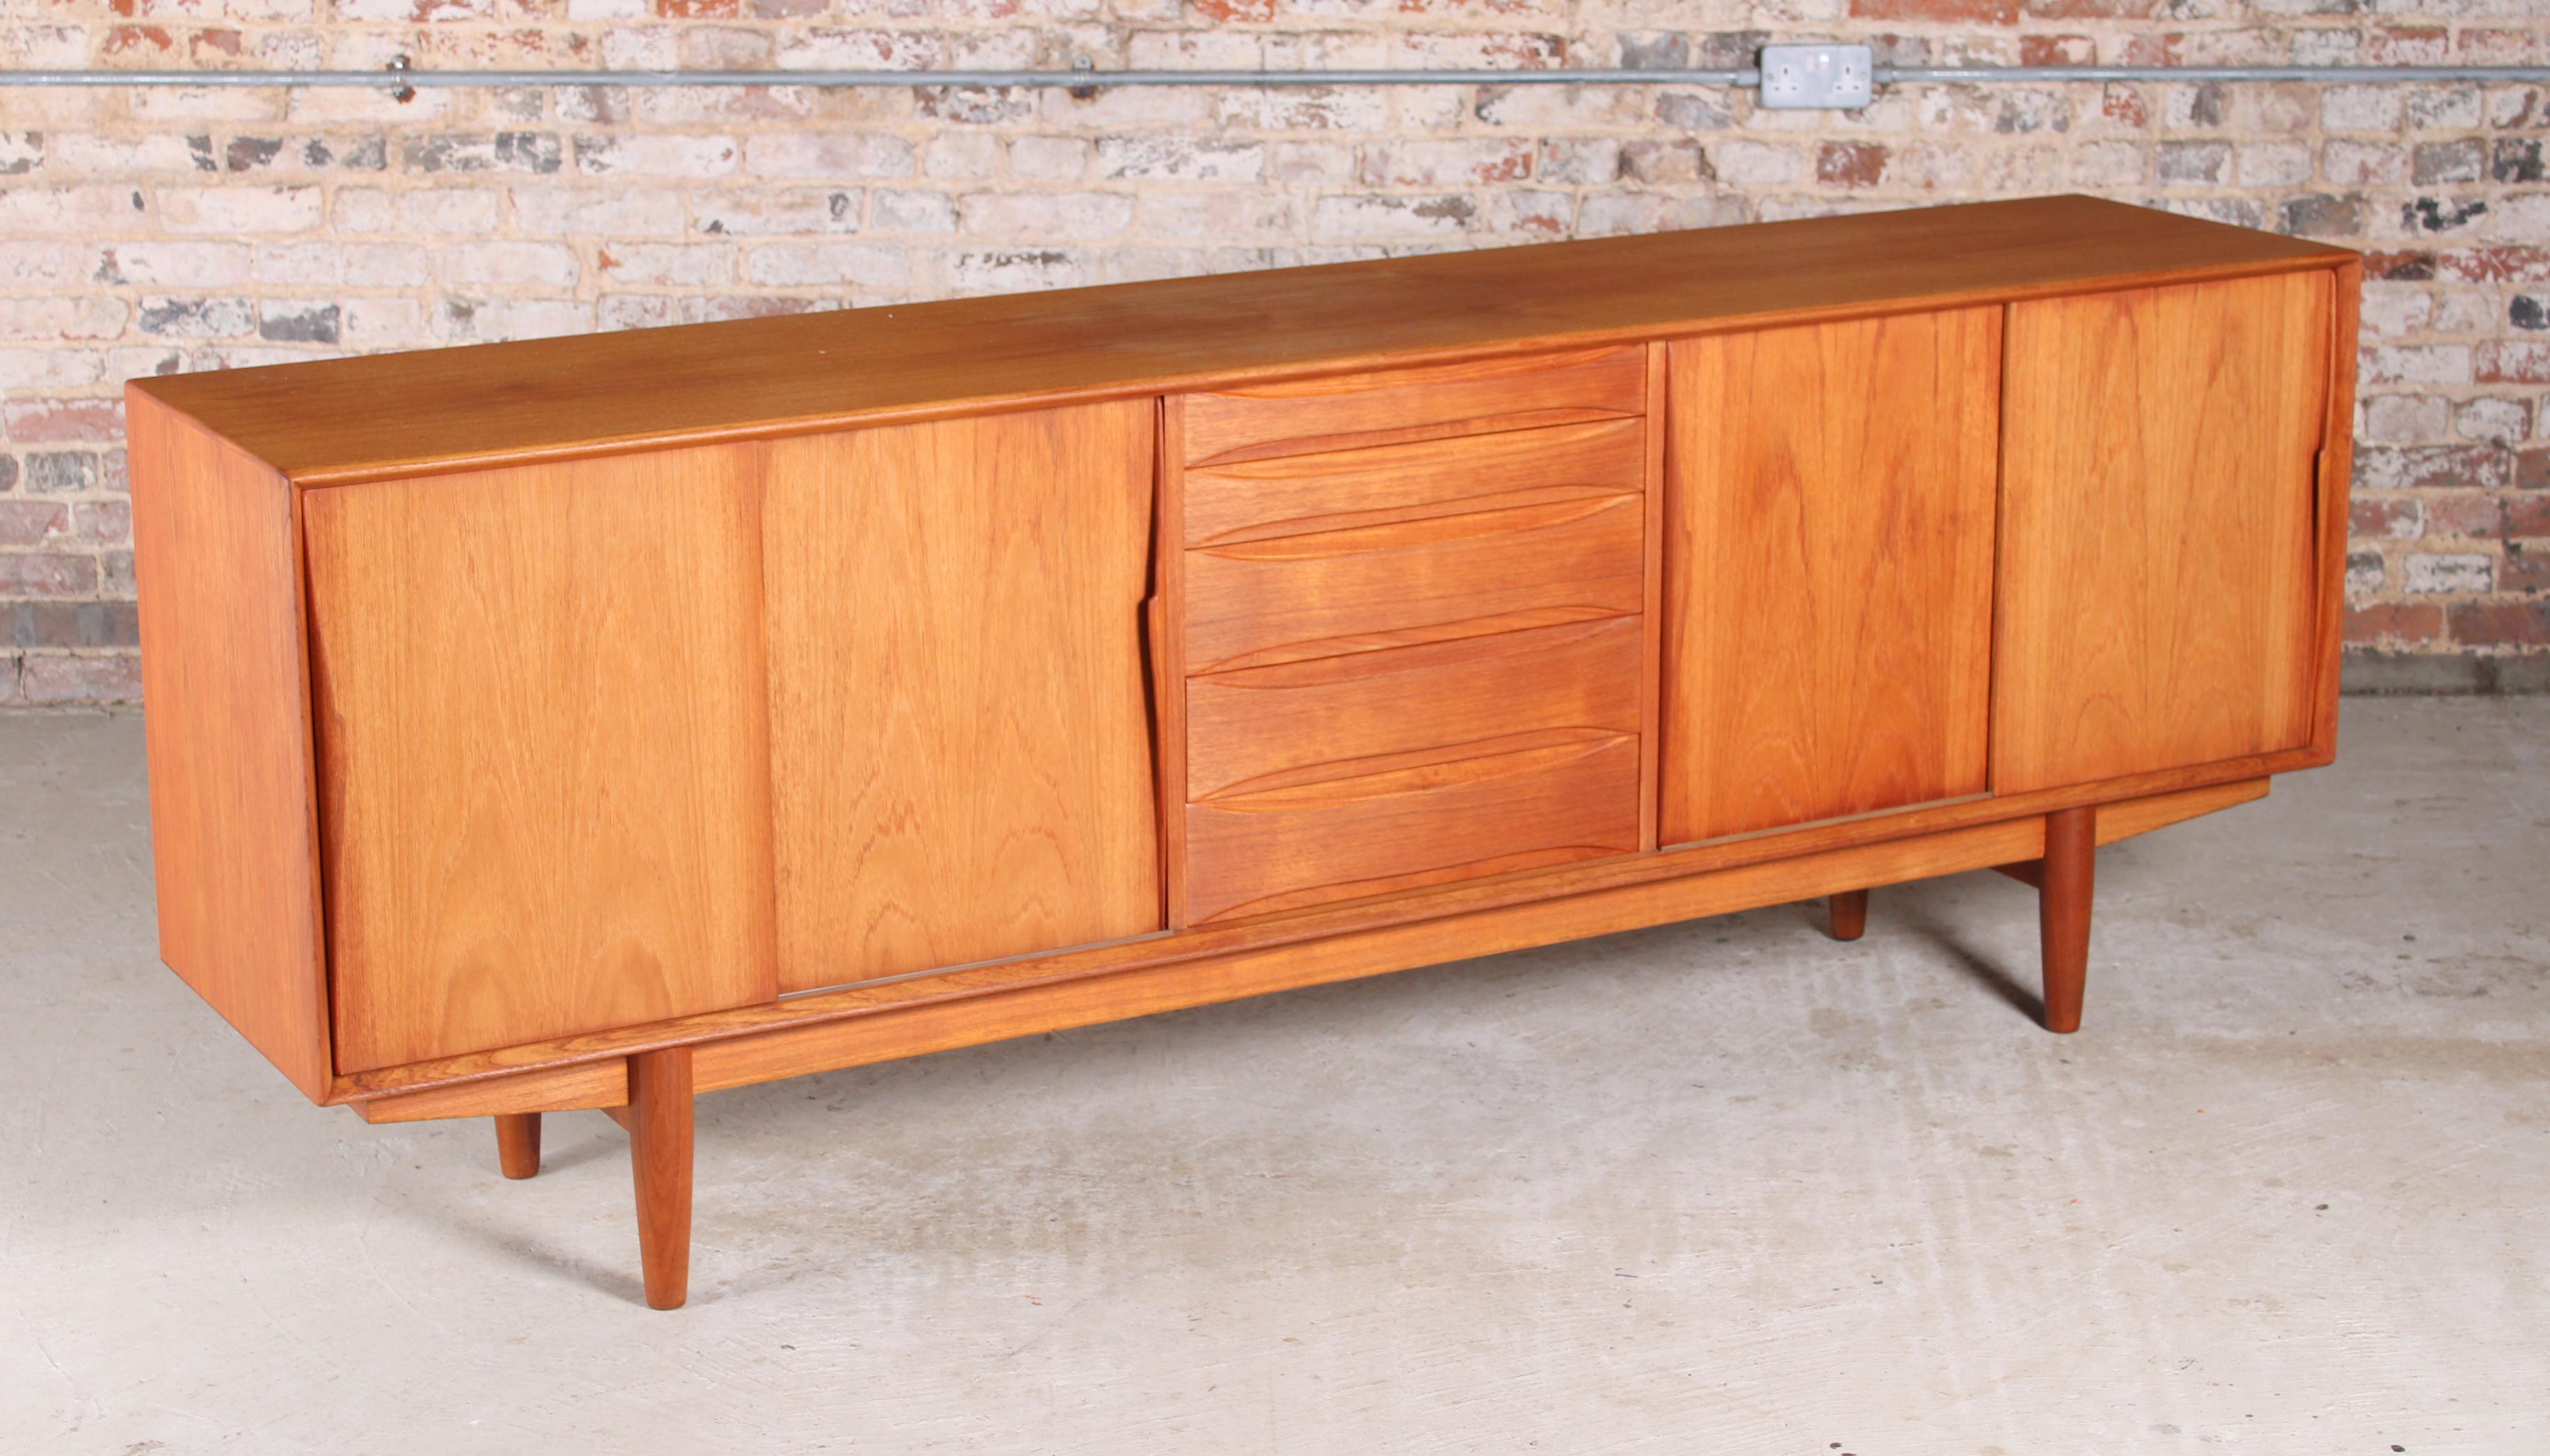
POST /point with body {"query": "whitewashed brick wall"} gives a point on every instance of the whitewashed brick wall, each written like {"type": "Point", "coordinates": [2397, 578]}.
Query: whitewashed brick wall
{"type": "Point", "coordinates": [148, 231]}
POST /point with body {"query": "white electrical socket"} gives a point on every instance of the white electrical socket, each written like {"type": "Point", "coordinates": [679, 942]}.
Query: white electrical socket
{"type": "Point", "coordinates": [1797, 77]}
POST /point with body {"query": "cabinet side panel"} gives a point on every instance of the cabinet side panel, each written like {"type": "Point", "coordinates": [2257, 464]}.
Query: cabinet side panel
{"type": "Point", "coordinates": [227, 718]}
{"type": "Point", "coordinates": [960, 732]}
{"type": "Point", "coordinates": [543, 749]}
{"type": "Point", "coordinates": [1828, 575]}
{"type": "Point", "coordinates": [2158, 593]}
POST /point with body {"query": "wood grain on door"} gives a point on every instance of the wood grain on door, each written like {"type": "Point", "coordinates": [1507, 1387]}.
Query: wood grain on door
{"type": "Point", "coordinates": [1828, 618]}
{"type": "Point", "coordinates": [960, 730]}
{"type": "Point", "coordinates": [542, 753]}
{"type": "Point", "coordinates": [2158, 596]}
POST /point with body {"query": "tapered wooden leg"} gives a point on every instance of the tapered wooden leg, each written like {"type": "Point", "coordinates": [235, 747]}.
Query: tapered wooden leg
{"type": "Point", "coordinates": [2065, 879]}
{"type": "Point", "coordinates": [518, 1143]}
{"type": "Point", "coordinates": [659, 1150]}
{"type": "Point", "coordinates": [1849, 915]}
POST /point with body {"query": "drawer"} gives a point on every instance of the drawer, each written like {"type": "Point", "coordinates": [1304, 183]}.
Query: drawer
{"type": "Point", "coordinates": [1479, 397]}
{"type": "Point", "coordinates": [1537, 800]}
{"type": "Point", "coordinates": [1294, 494]}
{"type": "Point", "coordinates": [1264, 727]}
{"type": "Point", "coordinates": [1442, 577]}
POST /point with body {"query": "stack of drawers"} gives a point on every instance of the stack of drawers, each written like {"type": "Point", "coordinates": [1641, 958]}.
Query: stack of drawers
{"type": "Point", "coordinates": [1411, 628]}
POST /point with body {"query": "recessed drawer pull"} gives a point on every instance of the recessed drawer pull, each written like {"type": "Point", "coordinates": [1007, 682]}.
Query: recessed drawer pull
{"type": "Point", "coordinates": [1353, 781]}
{"type": "Point", "coordinates": [1424, 657]}
{"type": "Point", "coordinates": [1401, 535]}
{"type": "Point", "coordinates": [1550, 805]}
{"type": "Point", "coordinates": [1357, 644]}
{"type": "Point", "coordinates": [1340, 717]}
{"type": "Point", "coordinates": [1246, 602]}
{"type": "Point", "coordinates": [1478, 397]}
{"type": "Point", "coordinates": [1364, 486]}
{"type": "Point", "coordinates": [1390, 514]}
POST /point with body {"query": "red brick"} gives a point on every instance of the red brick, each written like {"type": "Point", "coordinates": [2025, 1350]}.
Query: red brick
{"type": "Point", "coordinates": [2474, 517]}
{"type": "Point", "coordinates": [1228, 10]}
{"type": "Point", "coordinates": [46, 574]}
{"type": "Point", "coordinates": [2523, 570]}
{"type": "Point", "coordinates": [2089, 9]}
{"type": "Point", "coordinates": [2510, 361]}
{"type": "Point", "coordinates": [63, 677]}
{"type": "Point", "coordinates": [2501, 623]}
{"type": "Point", "coordinates": [1491, 50]}
{"type": "Point", "coordinates": [1968, 12]}
{"type": "Point", "coordinates": [84, 624]}
{"type": "Point", "coordinates": [2394, 622]}
{"type": "Point", "coordinates": [1680, 161]}
{"type": "Point", "coordinates": [1850, 163]}
{"type": "Point", "coordinates": [2395, 518]}
{"type": "Point", "coordinates": [1448, 163]}
{"type": "Point", "coordinates": [2430, 467]}
{"type": "Point", "coordinates": [2399, 267]}
{"type": "Point", "coordinates": [2057, 51]}
{"type": "Point", "coordinates": [2525, 515]}
{"type": "Point", "coordinates": [2155, 49]}
{"type": "Point", "coordinates": [2409, 45]}
{"type": "Point", "coordinates": [2494, 47]}
{"type": "Point", "coordinates": [25, 523]}
{"type": "Point", "coordinates": [104, 522]}
{"type": "Point", "coordinates": [41, 422]}
{"type": "Point", "coordinates": [139, 39]}
{"type": "Point", "coordinates": [2498, 264]}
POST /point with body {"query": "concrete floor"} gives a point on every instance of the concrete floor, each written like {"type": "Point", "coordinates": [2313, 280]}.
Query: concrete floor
{"type": "Point", "coordinates": [1720, 1187]}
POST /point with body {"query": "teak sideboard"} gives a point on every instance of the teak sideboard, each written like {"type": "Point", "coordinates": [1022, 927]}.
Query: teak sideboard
{"type": "Point", "coordinates": [598, 722]}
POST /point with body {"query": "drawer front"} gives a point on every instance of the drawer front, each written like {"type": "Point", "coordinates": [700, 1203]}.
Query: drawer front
{"type": "Point", "coordinates": [1361, 713]}
{"type": "Point", "coordinates": [1335, 489]}
{"type": "Point", "coordinates": [1544, 800]}
{"type": "Point", "coordinates": [1475, 398]}
{"type": "Point", "coordinates": [1293, 598]}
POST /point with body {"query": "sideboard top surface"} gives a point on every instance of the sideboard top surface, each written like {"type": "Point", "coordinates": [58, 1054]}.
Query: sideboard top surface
{"type": "Point", "coordinates": [384, 416]}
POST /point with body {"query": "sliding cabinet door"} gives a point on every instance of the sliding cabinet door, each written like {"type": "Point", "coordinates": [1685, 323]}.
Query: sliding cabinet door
{"type": "Point", "coordinates": [2158, 594]}
{"type": "Point", "coordinates": [960, 737]}
{"type": "Point", "coordinates": [542, 779]}
{"type": "Point", "coordinates": [1828, 548]}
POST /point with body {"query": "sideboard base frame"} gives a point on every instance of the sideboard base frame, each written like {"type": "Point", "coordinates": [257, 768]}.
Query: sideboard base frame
{"type": "Point", "coordinates": [582, 1071]}
{"type": "Point", "coordinates": [651, 1092]}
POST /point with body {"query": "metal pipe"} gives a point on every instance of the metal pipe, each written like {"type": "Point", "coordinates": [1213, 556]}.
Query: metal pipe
{"type": "Point", "coordinates": [399, 78]}
{"type": "Point", "coordinates": [2331, 74]}
{"type": "Point", "coordinates": [1072, 81]}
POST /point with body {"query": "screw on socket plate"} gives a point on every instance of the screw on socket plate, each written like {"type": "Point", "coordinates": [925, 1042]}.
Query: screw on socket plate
{"type": "Point", "coordinates": [402, 92]}
{"type": "Point", "coordinates": [1080, 63]}
{"type": "Point", "coordinates": [1799, 77]}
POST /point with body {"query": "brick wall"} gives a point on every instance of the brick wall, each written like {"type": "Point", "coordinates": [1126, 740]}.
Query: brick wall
{"type": "Point", "coordinates": [148, 231]}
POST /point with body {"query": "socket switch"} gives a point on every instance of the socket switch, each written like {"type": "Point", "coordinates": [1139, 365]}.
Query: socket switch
{"type": "Point", "coordinates": [1798, 78]}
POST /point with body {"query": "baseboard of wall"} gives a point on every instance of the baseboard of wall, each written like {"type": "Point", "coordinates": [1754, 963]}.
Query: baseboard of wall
{"type": "Point", "coordinates": [2383, 674]}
